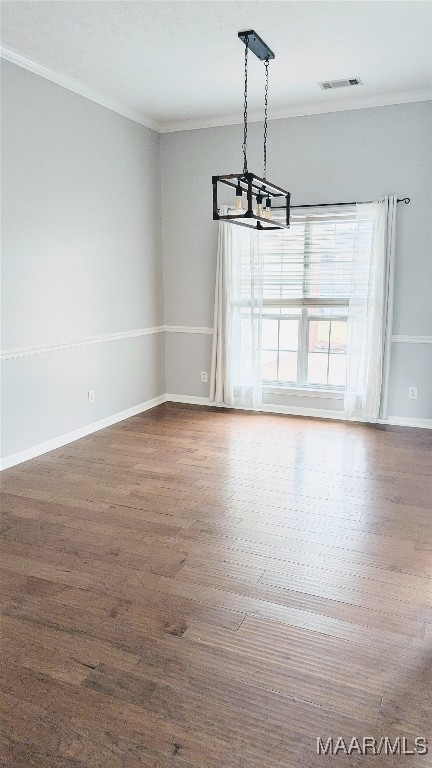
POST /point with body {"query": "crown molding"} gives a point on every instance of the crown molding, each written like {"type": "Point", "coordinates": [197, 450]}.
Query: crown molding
{"type": "Point", "coordinates": [76, 86]}
{"type": "Point", "coordinates": [299, 110]}
{"type": "Point", "coordinates": [316, 108]}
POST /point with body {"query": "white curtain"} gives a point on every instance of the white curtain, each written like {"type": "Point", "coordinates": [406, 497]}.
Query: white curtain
{"type": "Point", "coordinates": [370, 311]}
{"type": "Point", "coordinates": [235, 377]}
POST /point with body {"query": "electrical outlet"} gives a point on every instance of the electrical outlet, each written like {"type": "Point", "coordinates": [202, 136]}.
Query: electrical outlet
{"type": "Point", "coordinates": [91, 397]}
{"type": "Point", "coordinates": [412, 393]}
{"type": "Point", "coordinates": [204, 376]}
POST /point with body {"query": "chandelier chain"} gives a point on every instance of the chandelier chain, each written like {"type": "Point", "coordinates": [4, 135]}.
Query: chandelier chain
{"type": "Point", "coordinates": [266, 65]}
{"type": "Point", "coordinates": [245, 113]}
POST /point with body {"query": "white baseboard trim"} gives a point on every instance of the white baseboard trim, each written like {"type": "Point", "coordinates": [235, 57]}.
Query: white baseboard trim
{"type": "Point", "coordinates": [190, 399]}
{"type": "Point", "coordinates": [292, 410]}
{"type": "Point", "coordinates": [58, 442]}
{"type": "Point", "coordinates": [266, 408]}
{"type": "Point", "coordinates": [405, 421]}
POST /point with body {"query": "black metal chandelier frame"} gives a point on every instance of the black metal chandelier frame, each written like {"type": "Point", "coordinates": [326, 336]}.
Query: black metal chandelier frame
{"type": "Point", "coordinates": [248, 183]}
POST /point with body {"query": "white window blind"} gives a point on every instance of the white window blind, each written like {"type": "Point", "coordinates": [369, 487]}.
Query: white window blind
{"type": "Point", "coordinates": [310, 264]}
{"type": "Point", "coordinates": [301, 287]}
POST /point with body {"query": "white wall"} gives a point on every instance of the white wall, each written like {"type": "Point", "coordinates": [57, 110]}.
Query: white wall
{"type": "Point", "coordinates": [344, 156]}
{"type": "Point", "coordinates": [81, 259]}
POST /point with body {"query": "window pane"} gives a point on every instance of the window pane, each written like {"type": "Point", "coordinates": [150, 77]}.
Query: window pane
{"type": "Point", "coordinates": [269, 334]}
{"type": "Point", "coordinates": [328, 255]}
{"type": "Point", "coordinates": [290, 310]}
{"type": "Point", "coordinates": [337, 368]}
{"type": "Point", "coordinates": [338, 311]}
{"type": "Point", "coordinates": [245, 333]}
{"type": "Point", "coordinates": [269, 365]}
{"type": "Point", "coordinates": [288, 334]}
{"type": "Point", "coordinates": [328, 312]}
{"type": "Point", "coordinates": [246, 362]}
{"type": "Point", "coordinates": [288, 366]}
{"type": "Point", "coordinates": [338, 336]}
{"type": "Point", "coordinates": [317, 368]}
{"type": "Point", "coordinates": [317, 311]}
{"type": "Point", "coordinates": [319, 335]}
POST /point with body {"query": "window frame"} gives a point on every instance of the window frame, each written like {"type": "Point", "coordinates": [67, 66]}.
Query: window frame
{"type": "Point", "coordinates": [304, 319]}
{"type": "Point", "coordinates": [305, 302]}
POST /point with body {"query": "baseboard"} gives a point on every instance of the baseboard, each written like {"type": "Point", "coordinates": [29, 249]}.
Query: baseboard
{"type": "Point", "coordinates": [191, 399]}
{"type": "Point", "coordinates": [266, 408]}
{"type": "Point", "coordinates": [405, 421]}
{"type": "Point", "coordinates": [58, 442]}
{"type": "Point", "coordinates": [292, 410]}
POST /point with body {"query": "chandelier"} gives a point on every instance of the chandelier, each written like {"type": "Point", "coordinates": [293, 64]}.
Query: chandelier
{"type": "Point", "coordinates": [255, 191]}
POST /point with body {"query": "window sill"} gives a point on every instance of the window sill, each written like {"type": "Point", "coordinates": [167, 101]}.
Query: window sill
{"type": "Point", "coordinates": [330, 394]}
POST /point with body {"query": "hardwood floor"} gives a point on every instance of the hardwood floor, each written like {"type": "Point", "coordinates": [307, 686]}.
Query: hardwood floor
{"type": "Point", "coordinates": [210, 589]}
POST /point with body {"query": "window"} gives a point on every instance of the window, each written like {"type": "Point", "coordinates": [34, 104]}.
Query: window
{"type": "Point", "coordinates": [304, 347]}
{"type": "Point", "coordinates": [307, 285]}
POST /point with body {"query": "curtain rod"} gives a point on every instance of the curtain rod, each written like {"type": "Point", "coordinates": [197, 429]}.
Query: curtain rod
{"type": "Point", "coordinates": [405, 200]}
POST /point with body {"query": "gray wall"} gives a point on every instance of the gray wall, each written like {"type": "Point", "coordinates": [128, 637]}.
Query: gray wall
{"type": "Point", "coordinates": [82, 248]}
{"type": "Point", "coordinates": [81, 259]}
{"type": "Point", "coordinates": [344, 156]}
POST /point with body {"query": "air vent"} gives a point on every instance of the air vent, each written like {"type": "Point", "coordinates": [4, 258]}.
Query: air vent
{"type": "Point", "coordinates": [346, 83]}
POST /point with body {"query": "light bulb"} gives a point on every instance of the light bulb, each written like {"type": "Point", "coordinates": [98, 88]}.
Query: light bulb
{"type": "Point", "coordinates": [259, 211]}
{"type": "Point", "coordinates": [268, 210]}
{"type": "Point", "coordinates": [239, 198]}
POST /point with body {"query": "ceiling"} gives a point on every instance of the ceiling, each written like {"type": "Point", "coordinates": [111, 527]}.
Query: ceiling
{"type": "Point", "coordinates": [179, 65]}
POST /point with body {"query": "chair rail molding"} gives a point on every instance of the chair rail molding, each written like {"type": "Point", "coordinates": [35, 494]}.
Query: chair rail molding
{"type": "Point", "coordinates": [17, 352]}
{"type": "Point", "coordinates": [405, 339]}
{"type": "Point", "coordinates": [188, 329]}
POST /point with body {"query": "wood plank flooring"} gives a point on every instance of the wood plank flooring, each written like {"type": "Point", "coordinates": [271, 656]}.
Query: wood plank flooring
{"type": "Point", "coordinates": [201, 588]}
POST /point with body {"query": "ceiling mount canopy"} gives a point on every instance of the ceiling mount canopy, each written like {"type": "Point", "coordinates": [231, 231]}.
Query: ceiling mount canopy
{"type": "Point", "coordinates": [257, 45]}
{"type": "Point", "coordinates": [258, 191]}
